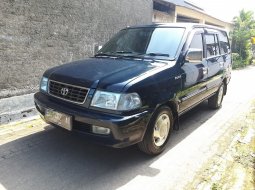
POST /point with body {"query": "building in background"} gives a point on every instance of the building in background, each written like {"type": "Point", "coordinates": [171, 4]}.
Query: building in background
{"type": "Point", "coordinates": [184, 11]}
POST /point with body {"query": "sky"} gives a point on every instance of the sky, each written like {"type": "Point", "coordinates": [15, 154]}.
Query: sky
{"type": "Point", "coordinates": [225, 9]}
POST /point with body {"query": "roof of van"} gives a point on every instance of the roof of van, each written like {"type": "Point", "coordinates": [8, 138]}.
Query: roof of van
{"type": "Point", "coordinates": [183, 25]}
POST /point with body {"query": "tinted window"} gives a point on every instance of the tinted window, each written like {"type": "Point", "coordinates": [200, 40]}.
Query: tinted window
{"type": "Point", "coordinates": [224, 44]}
{"type": "Point", "coordinates": [197, 42]}
{"type": "Point", "coordinates": [145, 41]}
{"type": "Point", "coordinates": [212, 45]}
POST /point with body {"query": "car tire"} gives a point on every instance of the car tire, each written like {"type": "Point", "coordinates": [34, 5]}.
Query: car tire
{"type": "Point", "coordinates": [215, 101]}
{"type": "Point", "coordinates": [158, 131]}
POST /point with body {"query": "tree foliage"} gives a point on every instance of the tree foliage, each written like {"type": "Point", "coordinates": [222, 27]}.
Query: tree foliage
{"type": "Point", "coordinates": [244, 30]}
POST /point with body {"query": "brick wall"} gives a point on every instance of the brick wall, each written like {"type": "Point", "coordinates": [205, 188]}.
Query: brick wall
{"type": "Point", "coordinates": [39, 34]}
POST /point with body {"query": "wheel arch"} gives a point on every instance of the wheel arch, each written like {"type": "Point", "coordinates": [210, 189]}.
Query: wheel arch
{"type": "Point", "coordinates": [173, 105]}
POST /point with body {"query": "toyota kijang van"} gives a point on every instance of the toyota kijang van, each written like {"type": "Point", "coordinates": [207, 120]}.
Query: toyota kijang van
{"type": "Point", "coordinates": [134, 89]}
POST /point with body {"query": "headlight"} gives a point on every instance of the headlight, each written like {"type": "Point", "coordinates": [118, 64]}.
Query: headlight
{"type": "Point", "coordinates": [44, 84]}
{"type": "Point", "coordinates": [116, 101]}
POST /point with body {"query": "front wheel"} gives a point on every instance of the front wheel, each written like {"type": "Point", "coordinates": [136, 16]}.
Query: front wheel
{"type": "Point", "coordinates": [158, 131]}
{"type": "Point", "coordinates": [215, 101]}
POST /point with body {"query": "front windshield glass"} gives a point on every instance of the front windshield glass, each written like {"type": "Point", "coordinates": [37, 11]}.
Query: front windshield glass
{"type": "Point", "coordinates": [157, 42]}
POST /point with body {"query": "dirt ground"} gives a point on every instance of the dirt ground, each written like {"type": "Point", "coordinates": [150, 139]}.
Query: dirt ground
{"type": "Point", "coordinates": [233, 167]}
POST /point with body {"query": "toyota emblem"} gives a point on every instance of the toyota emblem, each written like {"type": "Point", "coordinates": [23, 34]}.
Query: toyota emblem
{"type": "Point", "coordinates": [64, 91]}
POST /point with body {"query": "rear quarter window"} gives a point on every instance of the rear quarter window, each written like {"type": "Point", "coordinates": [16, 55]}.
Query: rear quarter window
{"type": "Point", "coordinates": [224, 43]}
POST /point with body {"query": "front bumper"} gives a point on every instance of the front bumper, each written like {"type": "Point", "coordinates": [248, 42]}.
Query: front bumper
{"type": "Point", "coordinates": [125, 130]}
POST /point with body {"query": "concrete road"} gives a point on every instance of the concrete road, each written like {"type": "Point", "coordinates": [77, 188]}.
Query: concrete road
{"type": "Point", "coordinates": [54, 159]}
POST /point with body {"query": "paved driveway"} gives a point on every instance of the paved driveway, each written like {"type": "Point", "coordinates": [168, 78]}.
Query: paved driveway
{"type": "Point", "coordinates": [53, 159]}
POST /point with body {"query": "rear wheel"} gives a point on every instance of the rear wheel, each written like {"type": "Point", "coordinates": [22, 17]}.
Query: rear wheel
{"type": "Point", "coordinates": [215, 101]}
{"type": "Point", "coordinates": [158, 131]}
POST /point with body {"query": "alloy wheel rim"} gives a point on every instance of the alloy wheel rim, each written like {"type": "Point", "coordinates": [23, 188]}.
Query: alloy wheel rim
{"type": "Point", "coordinates": [161, 129]}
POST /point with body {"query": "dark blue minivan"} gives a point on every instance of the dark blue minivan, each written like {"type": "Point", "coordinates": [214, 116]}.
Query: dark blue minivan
{"type": "Point", "coordinates": [138, 84]}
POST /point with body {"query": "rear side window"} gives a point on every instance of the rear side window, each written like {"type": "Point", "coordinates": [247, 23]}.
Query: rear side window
{"type": "Point", "coordinates": [212, 45]}
{"type": "Point", "coordinates": [224, 44]}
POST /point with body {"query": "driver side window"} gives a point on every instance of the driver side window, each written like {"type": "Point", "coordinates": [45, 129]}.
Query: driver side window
{"type": "Point", "coordinates": [197, 42]}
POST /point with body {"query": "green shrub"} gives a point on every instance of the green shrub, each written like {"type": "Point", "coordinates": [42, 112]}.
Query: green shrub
{"type": "Point", "coordinates": [244, 30]}
{"type": "Point", "coordinates": [237, 61]}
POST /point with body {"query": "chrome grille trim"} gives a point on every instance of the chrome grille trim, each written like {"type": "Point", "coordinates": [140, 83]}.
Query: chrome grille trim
{"type": "Point", "coordinates": [80, 100]}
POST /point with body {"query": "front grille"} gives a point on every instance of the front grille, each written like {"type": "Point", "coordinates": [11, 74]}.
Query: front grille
{"type": "Point", "coordinates": [68, 92]}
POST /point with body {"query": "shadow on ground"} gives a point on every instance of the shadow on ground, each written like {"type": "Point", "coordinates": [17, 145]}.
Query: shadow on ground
{"type": "Point", "coordinates": [55, 159]}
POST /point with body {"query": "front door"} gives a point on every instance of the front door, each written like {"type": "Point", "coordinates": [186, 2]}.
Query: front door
{"type": "Point", "coordinates": [194, 76]}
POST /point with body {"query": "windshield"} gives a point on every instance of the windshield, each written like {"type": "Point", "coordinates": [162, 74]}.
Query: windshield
{"type": "Point", "coordinates": [156, 42]}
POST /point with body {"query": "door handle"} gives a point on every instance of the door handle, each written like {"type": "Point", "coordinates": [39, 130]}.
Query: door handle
{"type": "Point", "coordinates": [205, 70]}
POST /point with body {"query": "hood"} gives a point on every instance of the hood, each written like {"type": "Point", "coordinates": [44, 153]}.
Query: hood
{"type": "Point", "coordinates": [103, 73]}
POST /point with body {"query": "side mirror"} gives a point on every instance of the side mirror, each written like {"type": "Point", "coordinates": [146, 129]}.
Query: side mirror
{"type": "Point", "coordinates": [194, 55]}
{"type": "Point", "coordinates": [97, 48]}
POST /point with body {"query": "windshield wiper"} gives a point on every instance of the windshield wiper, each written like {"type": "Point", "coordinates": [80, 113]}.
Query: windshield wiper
{"type": "Point", "coordinates": [157, 54]}
{"type": "Point", "coordinates": [114, 53]}
{"type": "Point", "coordinates": [129, 54]}
{"type": "Point", "coordinates": [123, 52]}
{"type": "Point", "coordinates": [103, 54]}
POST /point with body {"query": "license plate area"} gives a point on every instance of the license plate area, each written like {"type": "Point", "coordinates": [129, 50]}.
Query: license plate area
{"type": "Point", "coordinates": [60, 119]}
